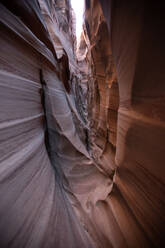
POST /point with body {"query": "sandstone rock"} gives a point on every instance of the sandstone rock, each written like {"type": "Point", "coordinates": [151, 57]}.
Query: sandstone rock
{"type": "Point", "coordinates": [82, 125]}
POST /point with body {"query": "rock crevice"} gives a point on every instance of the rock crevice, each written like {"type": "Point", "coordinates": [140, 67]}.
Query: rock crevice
{"type": "Point", "coordinates": [81, 125]}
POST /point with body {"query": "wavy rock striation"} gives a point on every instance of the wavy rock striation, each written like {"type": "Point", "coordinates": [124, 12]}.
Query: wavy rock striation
{"type": "Point", "coordinates": [82, 129]}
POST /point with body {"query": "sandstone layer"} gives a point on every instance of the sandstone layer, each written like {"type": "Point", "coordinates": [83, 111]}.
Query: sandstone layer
{"type": "Point", "coordinates": [82, 129]}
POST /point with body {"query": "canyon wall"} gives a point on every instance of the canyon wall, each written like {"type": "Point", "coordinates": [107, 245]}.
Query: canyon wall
{"type": "Point", "coordinates": [81, 130]}
{"type": "Point", "coordinates": [38, 136]}
{"type": "Point", "coordinates": [134, 39]}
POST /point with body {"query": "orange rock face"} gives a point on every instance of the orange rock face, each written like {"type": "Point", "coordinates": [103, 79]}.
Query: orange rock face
{"type": "Point", "coordinates": [136, 42]}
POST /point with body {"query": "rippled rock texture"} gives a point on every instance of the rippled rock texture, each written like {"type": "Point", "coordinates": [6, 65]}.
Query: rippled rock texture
{"type": "Point", "coordinates": [134, 209]}
{"type": "Point", "coordinates": [82, 139]}
{"type": "Point", "coordinates": [40, 146]}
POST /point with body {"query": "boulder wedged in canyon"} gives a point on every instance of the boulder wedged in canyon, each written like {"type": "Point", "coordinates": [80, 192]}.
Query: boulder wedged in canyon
{"type": "Point", "coordinates": [82, 136]}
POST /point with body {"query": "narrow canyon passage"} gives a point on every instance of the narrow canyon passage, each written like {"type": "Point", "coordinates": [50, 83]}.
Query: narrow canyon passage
{"type": "Point", "coordinates": [82, 124]}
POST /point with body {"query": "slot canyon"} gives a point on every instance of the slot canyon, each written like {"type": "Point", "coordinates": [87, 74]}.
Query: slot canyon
{"type": "Point", "coordinates": [82, 124]}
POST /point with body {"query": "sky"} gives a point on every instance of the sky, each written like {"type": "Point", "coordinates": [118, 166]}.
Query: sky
{"type": "Point", "coordinates": [78, 6]}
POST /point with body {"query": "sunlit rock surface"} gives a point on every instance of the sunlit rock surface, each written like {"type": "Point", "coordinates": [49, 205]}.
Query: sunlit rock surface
{"type": "Point", "coordinates": [82, 131]}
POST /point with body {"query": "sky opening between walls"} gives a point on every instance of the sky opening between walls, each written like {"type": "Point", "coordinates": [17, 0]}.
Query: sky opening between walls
{"type": "Point", "coordinates": [78, 6]}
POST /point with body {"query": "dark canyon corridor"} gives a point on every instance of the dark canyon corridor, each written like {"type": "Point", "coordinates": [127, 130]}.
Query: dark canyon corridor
{"type": "Point", "coordinates": [82, 124]}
